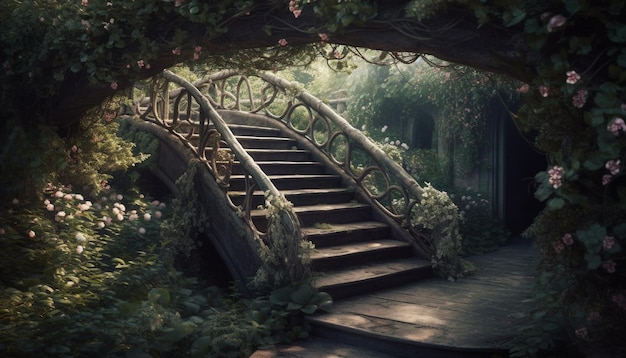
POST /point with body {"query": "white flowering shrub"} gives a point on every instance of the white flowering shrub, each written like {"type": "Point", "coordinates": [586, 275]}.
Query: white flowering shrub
{"type": "Point", "coordinates": [439, 216]}
{"type": "Point", "coordinates": [285, 256]}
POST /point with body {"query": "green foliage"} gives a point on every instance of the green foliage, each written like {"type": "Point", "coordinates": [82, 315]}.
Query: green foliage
{"type": "Point", "coordinates": [573, 111]}
{"type": "Point", "coordinates": [425, 165]}
{"type": "Point", "coordinates": [480, 229]}
{"type": "Point", "coordinates": [189, 218]}
{"type": "Point", "coordinates": [84, 277]}
{"type": "Point", "coordinates": [285, 256]}
{"type": "Point", "coordinates": [437, 214]}
{"type": "Point", "coordinates": [86, 157]}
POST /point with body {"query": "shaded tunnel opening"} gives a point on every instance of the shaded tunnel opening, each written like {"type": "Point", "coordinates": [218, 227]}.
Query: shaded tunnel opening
{"type": "Point", "coordinates": [203, 262]}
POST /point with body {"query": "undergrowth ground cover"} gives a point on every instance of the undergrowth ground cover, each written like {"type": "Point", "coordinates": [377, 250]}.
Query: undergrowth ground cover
{"type": "Point", "coordinates": [83, 276]}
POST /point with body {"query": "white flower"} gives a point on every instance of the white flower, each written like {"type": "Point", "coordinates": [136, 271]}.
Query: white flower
{"type": "Point", "coordinates": [79, 249]}
{"type": "Point", "coordinates": [384, 129]}
{"type": "Point", "coordinates": [141, 230]}
{"type": "Point", "coordinates": [147, 216]}
{"type": "Point", "coordinates": [80, 237]}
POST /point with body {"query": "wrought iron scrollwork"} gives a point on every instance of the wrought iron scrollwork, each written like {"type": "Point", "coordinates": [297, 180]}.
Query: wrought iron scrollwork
{"type": "Point", "coordinates": [384, 181]}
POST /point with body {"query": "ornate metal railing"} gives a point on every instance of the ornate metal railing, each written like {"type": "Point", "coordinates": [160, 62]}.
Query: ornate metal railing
{"type": "Point", "coordinates": [189, 115]}
{"type": "Point", "coordinates": [383, 180]}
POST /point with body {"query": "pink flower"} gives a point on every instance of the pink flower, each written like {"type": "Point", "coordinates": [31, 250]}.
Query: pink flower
{"type": "Point", "coordinates": [197, 49]}
{"type": "Point", "coordinates": [593, 316]}
{"type": "Point", "coordinates": [608, 242]}
{"type": "Point", "coordinates": [85, 2]}
{"type": "Point", "coordinates": [582, 333]}
{"type": "Point", "coordinates": [558, 247]}
{"type": "Point", "coordinates": [114, 85]}
{"type": "Point", "coordinates": [568, 239]}
{"type": "Point", "coordinates": [609, 266]}
{"type": "Point", "coordinates": [523, 88]}
{"type": "Point", "coordinates": [296, 13]}
{"type": "Point", "coordinates": [606, 179]}
{"type": "Point", "coordinates": [282, 42]}
{"type": "Point", "coordinates": [141, 230]}
{"type": "Point", "coordinates": [79, 249]}
{"type": "Point", "coordinates": [619, 299]}
{"type": "Point", "coordinates": [140, 64]}
{"type": "Point", "coordinates": [323, 37]}
{"type": "Point", "coordinates": [31, 234]}
{"type": "Point", "coordinates": [196, 56]}
{"type": "Point", "coordinates": [556, 176]}
{"type": "Point", "coordinates": [556, 22]}
{"type": "Point", "coordinates": [177, 3]}
{"type": "Point", "coordinates": [613, 166]}
{"type": "Point", "coordinates": [176, 51]}
{"type": "Point", "coordinates": [544, 90]}
{"type": "Point", "coordinates": [617, 126]}
{"type": "Point", "coordinates": [579, 99]}
{"type": "Point", "coordinates": [572, 77]}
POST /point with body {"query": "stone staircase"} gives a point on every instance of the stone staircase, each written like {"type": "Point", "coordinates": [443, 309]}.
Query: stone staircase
{"type": "Point", "coordinates": [354, 253]}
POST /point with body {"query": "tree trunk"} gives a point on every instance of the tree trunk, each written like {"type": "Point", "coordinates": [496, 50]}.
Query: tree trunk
{"type": "Point", "coordinates": [453, 36]}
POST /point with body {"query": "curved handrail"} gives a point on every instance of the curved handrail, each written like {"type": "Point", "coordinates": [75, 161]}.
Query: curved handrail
{"type": "Point", "coordinates": [188, 129]}
{"type": "Point", "coordinates": [383, 180]}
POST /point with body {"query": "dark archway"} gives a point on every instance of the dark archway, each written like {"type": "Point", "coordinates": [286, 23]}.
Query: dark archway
{"type": "Point", "coordinates": [422, 128]}
{"type": "Point", "coordinates": [514, 164]}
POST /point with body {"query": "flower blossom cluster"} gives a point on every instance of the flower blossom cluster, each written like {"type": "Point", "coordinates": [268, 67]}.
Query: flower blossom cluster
{"type": "Point", "coordinates": [572, 77]}
{"type": "Point", "coordinates": [566, 240]}
{"type": "Point", "coordinates": [614, 167]}
{"type": "Point", "coordinates": [556, 22]}
{"type": "Point", "coordinates": [620, 299]}
{"type": "Point", "coordinates": [294, 7]}
{"type": "Point", "coordinates": [580, 98]}
{"type": "Point", "coordinates": [556, 176]}
{"type": "Point", "coordinates": [617, 126]}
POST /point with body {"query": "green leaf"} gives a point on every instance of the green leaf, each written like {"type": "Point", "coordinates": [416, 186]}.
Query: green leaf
{"type": "Point", "coordinates": [159, 296]}
{"type": "Point", "coordinates": [281, 296]}
{"type": "Point", "coordinates": [309, 309]}
{"type": "Point", "coordinates": [593, 261]}
{"type": "Point", "coordinates": [592, 237]}
{"type": "Point", "coordinates": [303, 295]}
{"type": "Point", "coordinates": [128, 308]}
{"type": "Point", "coordinates": [556, 203]}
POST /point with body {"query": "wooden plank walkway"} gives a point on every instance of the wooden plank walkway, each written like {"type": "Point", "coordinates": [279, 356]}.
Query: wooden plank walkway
{"type": "Point", "coordinates": [474, 316]}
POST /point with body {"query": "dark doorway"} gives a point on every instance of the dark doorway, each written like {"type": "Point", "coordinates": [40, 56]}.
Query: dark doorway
{"type": "Point", "coordinates": [515, 164]}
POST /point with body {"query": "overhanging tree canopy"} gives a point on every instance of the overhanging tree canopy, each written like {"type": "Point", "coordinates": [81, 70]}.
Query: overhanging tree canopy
{"type": "Point", "coordinates": [78, 50]}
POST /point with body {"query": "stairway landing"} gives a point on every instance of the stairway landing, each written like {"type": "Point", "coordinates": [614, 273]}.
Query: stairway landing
{"type": "Point", "coordinates": [475, 316]}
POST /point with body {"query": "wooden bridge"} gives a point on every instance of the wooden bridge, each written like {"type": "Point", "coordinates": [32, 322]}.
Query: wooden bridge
{"type": "Point", "coordinates": [258, 137]}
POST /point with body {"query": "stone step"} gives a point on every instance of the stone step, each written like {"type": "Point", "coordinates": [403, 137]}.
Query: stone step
{"type": "Point", "coordinates": [284, 168]}
{"type": "Point", "coordinates": [372, 276]}
{"type": "Point", "coordinates": [254, 131]}
{"type": "Point", "coordinates": [321, 214]}
{"type": "Point", "coordinates": [339, 234]}
{"type": "Point", "coordinates": [293, 155]}
{"type": "Point", "coordinates": [253, 142]}
{"type": "Point", "coordinates": [291, 182]}
{"type": "Point", "coordinates": [299, 197]}
{"type": "Point", "coordinates": [333, 257]}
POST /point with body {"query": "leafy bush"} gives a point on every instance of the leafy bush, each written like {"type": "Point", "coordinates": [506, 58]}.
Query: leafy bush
{"type": "Point", "coordinates": [84, 276]}
{"type": "Point", "coordinates": [480, 229]}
